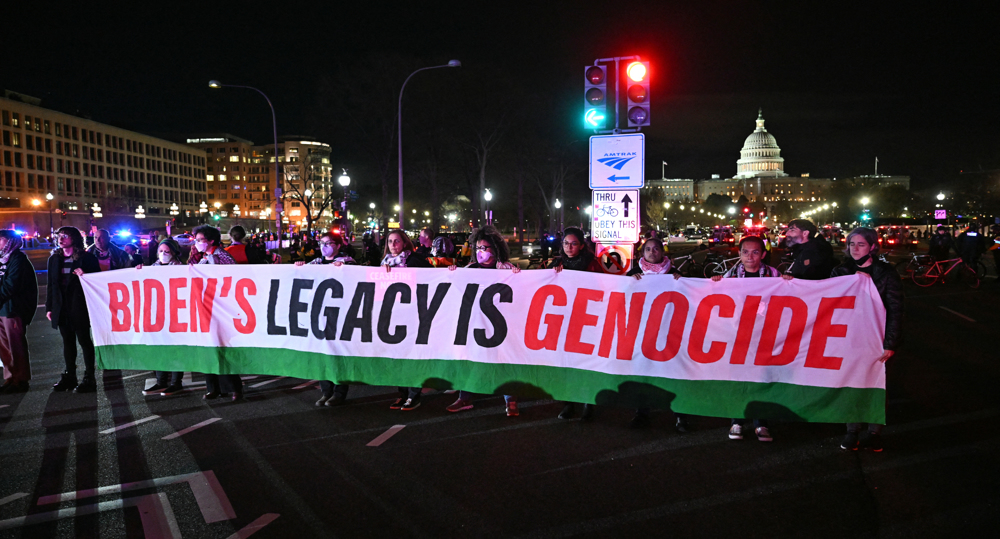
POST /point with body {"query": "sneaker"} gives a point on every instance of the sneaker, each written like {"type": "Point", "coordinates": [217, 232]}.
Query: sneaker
{"type": "Point", "coordinates": [336, 400]}
{"type": "Point", "coordinates": [172, 389]}
{"type": "Point", "coordinates": [410, 404]}
{"type": "Point", "coordinates": [850, 442]}
{"type": "Point", "coordinates": [458, 406]}
{"type": "Point", "coordinates": [397, 404]}
{"type": "Point", "coordinates": [568, 410]}
{"type": "Point", "coordinates": [763, 434]}
{"type": "Point", "coordinates": [154, 389]}
{"type": "Point", "coordinates": [322, 399]}
{"type": "Point", "coordinates": [872, 442]}
{"type": "Point", "coordinates": [512, 410]}
{"type": "Point", "coordinates": [736, 432]}
{"type": "Point", "coordinates": [87, 385]}
{"type": "Point", "coordinates": [66, 383]}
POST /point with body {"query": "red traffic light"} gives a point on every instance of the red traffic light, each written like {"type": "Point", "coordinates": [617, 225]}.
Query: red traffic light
{"type": "Point", "coordinates": [595, 75]}
{"type": "Point", "coordinates": [636, 71]}
{"type": "Point", "coordinates": [746, 209]}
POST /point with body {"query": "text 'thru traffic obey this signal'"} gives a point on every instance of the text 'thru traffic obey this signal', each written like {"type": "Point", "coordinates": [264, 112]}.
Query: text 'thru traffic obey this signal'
{"type": "Point", "coordinates": [595, 97]}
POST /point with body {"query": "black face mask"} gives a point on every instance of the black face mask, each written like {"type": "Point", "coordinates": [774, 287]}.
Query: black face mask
{"type": "Point", "coordinates": [859, 262]}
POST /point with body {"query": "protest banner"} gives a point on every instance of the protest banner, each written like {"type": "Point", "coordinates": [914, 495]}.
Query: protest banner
{"type": "Point", "coordinates": [756, 348]}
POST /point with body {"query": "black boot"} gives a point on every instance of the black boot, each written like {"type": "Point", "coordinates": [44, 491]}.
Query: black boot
{"type": "Point", "coordinates": [588, 412]}
{"type": "Point", "coordinates": [567, 411]}
{"type": "Point", "coordinates": [66, 383]}
{"type": "Point", "coordinates": [87, 385]}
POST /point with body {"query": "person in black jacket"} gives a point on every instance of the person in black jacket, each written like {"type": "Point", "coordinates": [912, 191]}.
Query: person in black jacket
{"type": "Point", "coordinates": [66, 307]}
{"type": "Point", "coordinates": [941, 243]}
{"type": "Point", "coordinates": [813, 254]}
{"type": "Point", "coordinates": [862, 246]}
{"type": "Point", "coordinates": [18, 299]}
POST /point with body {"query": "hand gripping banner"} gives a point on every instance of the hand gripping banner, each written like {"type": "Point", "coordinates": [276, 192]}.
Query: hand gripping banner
{"type": "Point", "coordinates": [755, 348]}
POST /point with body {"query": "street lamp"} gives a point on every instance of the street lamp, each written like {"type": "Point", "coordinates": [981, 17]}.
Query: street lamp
{"type": "Point", "coordinates": [344, 180]}
{"type": "Point", "coordinates": [940, 196]}
{"type": "Point", "coordinates": [236, 210]}
{"type": "Point", "coordinates": [174, 210]}
{"type": "Point", "coordinates": [96, 211]}
{"type": "Point", "coordinates": [558, 204]}
{"type": "Point", "coordinates": [279, 192]}
{"type": "Point", "coordinates": [140, 213]}
{"type": "Point", "coordinates": [399, 121]}
{"type": "Point", "coordinates": [488, 197]}
{"type": "Point", "coordinates": [48, 198]}
{"type": "Point", "coordinates": [202, 208]}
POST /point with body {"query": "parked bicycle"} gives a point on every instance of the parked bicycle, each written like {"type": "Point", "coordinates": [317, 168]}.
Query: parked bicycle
{"type": "Point", "coordinates": [686, 266]}
{"type": "Point", "coordinates": [928, 275]}
{"type": "Point", "coordinates": [907, 266]}
{"type": "Point", "coordinates": [719, 267]}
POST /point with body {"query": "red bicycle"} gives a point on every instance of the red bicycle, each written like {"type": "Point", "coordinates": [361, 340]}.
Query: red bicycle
{"type": "Point", "coordinates": [930, 274]}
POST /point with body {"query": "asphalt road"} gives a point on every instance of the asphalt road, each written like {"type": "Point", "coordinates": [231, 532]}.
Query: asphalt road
{"type": "Point", "coordinates": [278, 466]}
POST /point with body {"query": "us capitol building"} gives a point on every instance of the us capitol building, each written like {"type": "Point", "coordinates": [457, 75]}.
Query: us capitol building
{"type": "Point", "coordinates": [760, 176]}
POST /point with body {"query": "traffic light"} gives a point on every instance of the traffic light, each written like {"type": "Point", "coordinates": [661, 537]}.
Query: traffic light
{"type": "Point", "coordinates": [865, 215]}
{"type": "Point", "coordinates": [216, 217]}
{"type": "Point", "coordinates": [746, 209]}
{"type": "Point", "coordinates": [595, 97]}
{"type": "Point", "coordinates": [637, 78]}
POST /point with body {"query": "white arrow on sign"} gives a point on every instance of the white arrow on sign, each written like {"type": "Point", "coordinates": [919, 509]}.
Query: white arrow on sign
{"type": "Point", "coordinates": [614, 218]}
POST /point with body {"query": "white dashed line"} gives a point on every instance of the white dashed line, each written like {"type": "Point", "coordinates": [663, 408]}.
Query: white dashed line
{"type": "Point", "coordinates": [12, 497]}
{"type": "Point", "coordinates": [960, 315]}
{"type": "Point", "coordinates": [385, 436]}
{"type": "Point", "coordinates": [191, 428]}
{"type": "Point", "coordinates": [132, 424]}
{"type": "Point", "coordinates": [305, 385]}
{"type": "Point", "coordinates": [255, 526]}
{"type": "Point", "coordinates": [265, 382]}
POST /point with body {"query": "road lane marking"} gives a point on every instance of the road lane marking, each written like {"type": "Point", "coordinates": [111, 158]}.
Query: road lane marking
{"type": "Point", "coordinates": [255, 526]}
{"type": "Point", "coordinates": [12, 497]}
{"type": "Point", "coordinates": [155, 513]}
{"type": "Point", "coordinates": [305, 385]}
{"type": "Point", "coordinates": [385, 435]}
{"type": "Point", "coordinates": [960, 315]}
{"type": "Point", "coordinates": [143, 373]}
{"type": "Point", "coordinates": [191, 428]}
{"type": "Point", "coordinates": [4, 405]}
{"type": "Point", "coordinates": [132, 424]}
{"type": "Point", "coordinates": [265, 382]}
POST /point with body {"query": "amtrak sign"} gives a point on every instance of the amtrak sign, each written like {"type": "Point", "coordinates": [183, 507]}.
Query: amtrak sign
{"type": "Point", "coordinates": [617, 161]}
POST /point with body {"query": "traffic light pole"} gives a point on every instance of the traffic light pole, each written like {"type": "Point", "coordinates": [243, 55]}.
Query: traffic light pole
{"type": "Point", "coordinates": [618, 84]}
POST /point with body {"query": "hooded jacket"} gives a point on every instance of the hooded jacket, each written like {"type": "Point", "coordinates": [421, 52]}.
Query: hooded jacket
{"type": "Point", "coordinates": [890, 289]}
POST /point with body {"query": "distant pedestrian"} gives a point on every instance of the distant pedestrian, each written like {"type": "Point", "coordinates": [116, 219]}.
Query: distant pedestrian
{"type": "Point", "coordinates": [18, 301]}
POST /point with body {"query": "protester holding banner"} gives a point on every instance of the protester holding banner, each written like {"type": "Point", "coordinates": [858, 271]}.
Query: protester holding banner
{"type": "Point", "coordinates": [167, 382]}
{"type": "Point", "coordinates": [208, 250]}
{"type": "Point", "coordinates": [333, 394]}
{"type": "Point", "coordinates": [66, 307]}
{"type": "Point", "coordinates": [576, 256]}
{"type": "Point", "coordinates": [862, 246]}
{"type": "Point", "coordinates": [18, 301]}
{"type": "Point", "coordinates": [492, 252]}
{"type": "Point", "coordinates": [813, 254]}
{"type": "Point", "coordinates": [751, 264]}
{"type": "Point", "coordinates": [442, 252]}
{"type": "Point", "coordinates": [399, 254]}
{"type": "Point", "coordinates": [653, 262]}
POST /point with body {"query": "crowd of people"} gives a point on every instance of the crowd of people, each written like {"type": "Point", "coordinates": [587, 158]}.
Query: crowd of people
{"type": "Point", "coordinates": [66, 309]}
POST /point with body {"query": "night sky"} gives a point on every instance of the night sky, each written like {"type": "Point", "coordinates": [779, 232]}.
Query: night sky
{"type": "Point", "coordinates": [839, 85]}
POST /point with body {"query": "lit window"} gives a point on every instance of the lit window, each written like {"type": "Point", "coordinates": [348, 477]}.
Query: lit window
{"type": "Point", "coordinates": [234, 158]}
{"type": "Point", "coordinates": [210, 177]}
{"type": "Point", "coordinates": [222, 177]}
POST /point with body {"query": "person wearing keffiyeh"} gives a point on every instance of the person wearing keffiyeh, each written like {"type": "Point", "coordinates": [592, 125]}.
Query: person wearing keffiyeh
{"type": "Point", "coordinates": [18, 298]}
{"type": "Point", "coordinates": [399, 254]}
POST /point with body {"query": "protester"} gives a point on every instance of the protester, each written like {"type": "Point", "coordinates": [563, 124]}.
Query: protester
{"type": "Point", "coordinates": [751, 264]}
{"type": "Point", "coordinates": [442, 253]}
{"type": "Point", "coordinates": [167, 382]}
{"type": "Point", "coordinates": [109, 256]}
{"type": "Point", "coordinates": [18, 301]}
{"type": "Point", "coordinates": [208, 250]}
{"type": "Point", "coordinates": [132, 251]}
{"type": "Point", "coordinates": [66, 307]}
{"type": "Point", "coordinates": [813, 254]}
{"type": "Point", "coordinates": [654, 262]}
{"type": "Point", "coordinates": [862, 246]}
{"type": "Point", "coordinates": [576, 256]}
{"type": "Point", "coordinates": [492, 252]}
{"type": "Point", "coordinates": [399, 254]}
{"type": "Point", "coordinates": [425, 241]}
{"type": "Point", "coordinates": [969, 245]}
{"type": "Point", "coordinates": [333, 394]}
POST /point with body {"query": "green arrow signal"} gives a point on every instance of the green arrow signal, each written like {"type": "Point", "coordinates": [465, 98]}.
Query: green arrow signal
{"type": "Point", "coordinates": [594, 118]}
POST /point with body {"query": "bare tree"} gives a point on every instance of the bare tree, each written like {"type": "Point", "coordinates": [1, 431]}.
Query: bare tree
{"type": "Point", "coordinates": [307, 185]}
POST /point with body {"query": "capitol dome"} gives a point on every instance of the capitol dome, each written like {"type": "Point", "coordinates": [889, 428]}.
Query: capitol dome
{"type": "Point", "coordinates": [760, 155]}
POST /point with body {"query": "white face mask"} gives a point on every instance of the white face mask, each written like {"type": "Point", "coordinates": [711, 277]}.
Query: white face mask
{"type": "Point", "coordinates": [327, 250]}
{"type": "Point", "coordinates": [201, 246]}
{"type": "Point", "coordinates": [484, 257]}
{"type": "Point", "coordinates": [165, 258]}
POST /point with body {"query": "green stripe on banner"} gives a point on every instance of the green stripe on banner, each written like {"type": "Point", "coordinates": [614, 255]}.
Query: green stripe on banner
{"type": "Point", "coordinates": [715, 398]}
